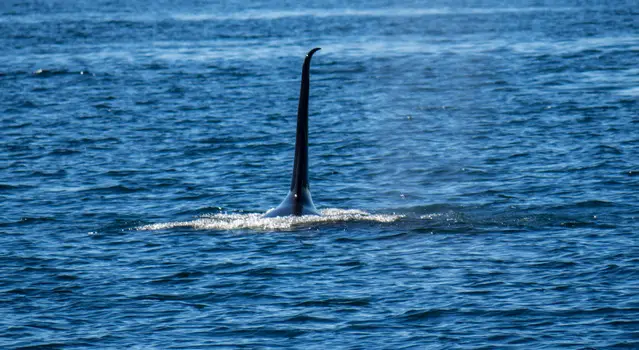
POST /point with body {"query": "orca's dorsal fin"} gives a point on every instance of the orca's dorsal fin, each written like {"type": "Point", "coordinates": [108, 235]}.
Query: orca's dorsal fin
{"type": "Point", "coordinates": [298, 201]}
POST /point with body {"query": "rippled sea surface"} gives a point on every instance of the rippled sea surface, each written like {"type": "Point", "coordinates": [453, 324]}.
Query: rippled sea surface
{"type": "Point", "coordinates": [477, 163]}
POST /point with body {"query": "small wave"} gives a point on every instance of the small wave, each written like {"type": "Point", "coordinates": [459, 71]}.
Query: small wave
{"type": "Point", "coordinates": [63, 152]}
{"type": "Point", "coordinates": [418, 315]}
{"type": "Point", "coordinates": [256, 221]}
{"type": "Point", "coordinates": [19, 187]}
{"type": "Point", "coordinates": [45, 73]}
{"type": "Point", "coordinates": [114, 189]}
{"type": "Point", "coordinates": [348, 12]}
{"type": "Point", "coordinates": [35, 219]}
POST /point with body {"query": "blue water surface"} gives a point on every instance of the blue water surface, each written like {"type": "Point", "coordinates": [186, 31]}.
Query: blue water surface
{"type": "Point", "coordinates": [479, 161]}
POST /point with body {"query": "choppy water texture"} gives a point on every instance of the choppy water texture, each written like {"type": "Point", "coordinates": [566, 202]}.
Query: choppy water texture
{"type": "Point", "coordinates": [478, 163]}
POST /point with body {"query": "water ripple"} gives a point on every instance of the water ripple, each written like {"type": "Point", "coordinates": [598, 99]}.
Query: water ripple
{"type": "Point", "coordinates": [491, 150]}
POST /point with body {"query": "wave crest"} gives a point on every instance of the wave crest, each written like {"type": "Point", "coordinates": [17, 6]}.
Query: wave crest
{"type": "Point", "coordinates": [256, 221]}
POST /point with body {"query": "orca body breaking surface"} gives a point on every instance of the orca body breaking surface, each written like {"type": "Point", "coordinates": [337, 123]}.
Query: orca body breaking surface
{"type": "Point", "coordinates": [298, 202]}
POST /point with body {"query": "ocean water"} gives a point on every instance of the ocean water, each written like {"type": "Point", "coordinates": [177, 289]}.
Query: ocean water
{"type": "Point", "coordinates": [477, 163]}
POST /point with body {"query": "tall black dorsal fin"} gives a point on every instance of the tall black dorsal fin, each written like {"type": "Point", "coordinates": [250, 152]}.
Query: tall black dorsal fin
{"type": "Point", "coordinates": [298, 201]}
{"type": "Point", "coordinates": [300, 166]}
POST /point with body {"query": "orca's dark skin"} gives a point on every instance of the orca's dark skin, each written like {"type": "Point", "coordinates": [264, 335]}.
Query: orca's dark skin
{"type": "Point", "coordinates": [298, 202]}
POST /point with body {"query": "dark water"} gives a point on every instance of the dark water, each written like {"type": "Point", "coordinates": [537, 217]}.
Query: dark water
{"type": "Point", "coordinates": [481, 160]}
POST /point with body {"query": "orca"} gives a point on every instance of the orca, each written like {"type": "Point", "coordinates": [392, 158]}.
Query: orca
{"type": "Point", "coordinates": [298, 202]}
